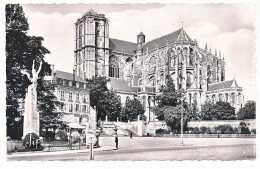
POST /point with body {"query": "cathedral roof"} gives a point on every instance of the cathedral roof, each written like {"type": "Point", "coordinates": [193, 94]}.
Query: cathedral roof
{"type": "Point", "coordinates": [223, 85]}
{"type": "Point", "coordinates": [119, 84]}
{"type": "Point", "coordinates": [183, 36]}
{"type": "Point", "coordinates": [129, 47]}
{"type": "Point", "coordinates": [122, 46]}
{"type": "Point", "coordinates": [67, 76]}
{"type": "Point", "coordinates": [179, 35]}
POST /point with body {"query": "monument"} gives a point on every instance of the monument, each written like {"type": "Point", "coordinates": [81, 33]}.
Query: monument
{"type": "Point", "coordinates": [31, 114]}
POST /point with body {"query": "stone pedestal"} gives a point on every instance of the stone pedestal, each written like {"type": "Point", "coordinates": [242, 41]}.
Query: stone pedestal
{"type": "Point", "coordinates": [31, 114]}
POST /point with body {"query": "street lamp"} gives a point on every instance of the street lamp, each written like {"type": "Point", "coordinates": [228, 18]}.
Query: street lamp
{"type": "Point", "coordinates": [182, 110]}
{"type": "Point", "coordinates": [182, 121]}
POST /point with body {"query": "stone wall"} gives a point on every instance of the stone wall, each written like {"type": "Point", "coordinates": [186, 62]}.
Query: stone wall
{"type": "Point", "coordinates": [251, 123]}
{"type": "Point", "coordinates": [140, 127]}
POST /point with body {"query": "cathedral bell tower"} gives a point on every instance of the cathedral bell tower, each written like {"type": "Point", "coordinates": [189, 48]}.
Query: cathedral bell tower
{"type": "Point", "coordinates": [91, 54]}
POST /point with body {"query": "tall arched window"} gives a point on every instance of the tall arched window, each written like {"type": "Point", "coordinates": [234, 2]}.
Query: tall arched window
{"type": "Point", "coordinates": [113, 67]}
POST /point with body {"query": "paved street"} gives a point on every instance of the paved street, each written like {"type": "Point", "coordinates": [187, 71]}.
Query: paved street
{"type": "Point", "coordinates": [159, 149]}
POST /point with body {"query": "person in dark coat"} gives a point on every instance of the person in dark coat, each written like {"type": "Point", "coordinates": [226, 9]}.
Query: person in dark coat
{"type": "Point", "coordinates": [116, 141]}
{"type": "Point", "coordinates": [131, 134]}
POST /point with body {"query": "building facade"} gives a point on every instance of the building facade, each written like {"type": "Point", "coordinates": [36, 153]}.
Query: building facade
{"type": "Point", "coordinates": [140, 69]}
{"type": "Point", "coordinates": [73, 95]}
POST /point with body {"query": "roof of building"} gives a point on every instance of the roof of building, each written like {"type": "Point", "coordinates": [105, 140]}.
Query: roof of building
{"type": "Point", "coordinates": [130, 47]}
{"type": "Point", "coordinates": [141, 34]}
{"type": "Point", "coordinates": [223, 85]}
{"type": "Point", "coordinates": [67, 76]}
{"type": "Point", "coordinates": [119, 84]}
{"type": "Point", "coordinates": [179, 35]}
{"type": "Point", "coordinates": [122, 46]}
{"type": "Point", "coordinates": [91, 12]}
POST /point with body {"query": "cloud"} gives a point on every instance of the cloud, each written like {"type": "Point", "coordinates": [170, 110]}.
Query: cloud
{"type": "Point", "coordinates": [229, 27]}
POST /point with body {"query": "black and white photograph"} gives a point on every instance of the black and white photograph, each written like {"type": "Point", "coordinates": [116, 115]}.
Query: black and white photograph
{"type": "Point", "coordinates": [154, 81]}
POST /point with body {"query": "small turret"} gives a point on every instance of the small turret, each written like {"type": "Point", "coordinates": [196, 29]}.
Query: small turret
{"type": "Point", "coordinates": [140, 41]}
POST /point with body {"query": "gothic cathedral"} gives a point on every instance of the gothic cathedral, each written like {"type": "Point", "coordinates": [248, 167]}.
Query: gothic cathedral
{"type": "Point", "coordinates": [140, 69]}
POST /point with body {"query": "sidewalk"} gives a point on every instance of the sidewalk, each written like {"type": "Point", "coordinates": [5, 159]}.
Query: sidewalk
{"type": "Point", "coordinates": [102, 148]}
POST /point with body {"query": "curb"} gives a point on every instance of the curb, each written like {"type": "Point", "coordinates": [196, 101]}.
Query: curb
{"type": "Point", "coordinates": [105, 148]}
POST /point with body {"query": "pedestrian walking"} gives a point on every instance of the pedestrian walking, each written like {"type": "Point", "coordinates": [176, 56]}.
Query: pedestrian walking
{"type": "Point", "coordinates": [131, 134]}
{"type": "Point", "coordinates": [116, 141]}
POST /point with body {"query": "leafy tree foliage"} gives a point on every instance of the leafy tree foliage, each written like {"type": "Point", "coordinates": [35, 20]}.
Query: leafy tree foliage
{"type": "Point", "coordinates": [248, 111]}
{"type": "Point", "coordinates": [173, 117]}
{"type": "Point", "coordinates": [168, 97]}
{"type": "Point", "coordinates": [132, 109]}
{"type": "Point", "coordinates": [105, 101]}
{"type": "Point", "coordinates": [170, 106]}
{"type": "Point", "coordinates": [218, 111]}
{"type": "Point", "coordinates": [21, 50]}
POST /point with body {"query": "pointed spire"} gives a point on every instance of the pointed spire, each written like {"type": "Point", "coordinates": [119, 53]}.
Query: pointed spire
{"type": "Point", "coordinates": [206, 47]}
{"type": "Point", "coordinates": [220, 54]}
{"type": "Point", "coordinates": [216, 54]}
{"type": "Point", "coordinates": [210, 50]}
{"type": "Point", "coordinates": [182, 24]}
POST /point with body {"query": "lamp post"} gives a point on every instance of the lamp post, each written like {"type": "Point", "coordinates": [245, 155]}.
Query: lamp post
{"type": "Point", "coordinates": [182, 121]}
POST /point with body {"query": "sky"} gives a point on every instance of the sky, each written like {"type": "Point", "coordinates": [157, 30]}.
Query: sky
{"type": "Point", "coordinates": [225, 27]}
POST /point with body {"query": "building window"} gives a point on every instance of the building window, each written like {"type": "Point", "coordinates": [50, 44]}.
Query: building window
{"type": "Point", "coordinates": [84, 108]}
{"type": "Point", "coordinates": [84, 99]}
{"type": "Point", "coordinates": [113, 67]}
{"type": "Point", "coordinates": [62, 106]}
{"type": "Point", "coordinates": [77, 97]}
{"type": "Point", "coordinates": [70, 107]}
{"type": "Point", "coordinates": [77, 107]}
{"type": "Point", "coordinates": [80, 120]}
{"type": "Point", "coordinates": [70, 96]}
{"type": "Point", "coordinates": [62, 95]}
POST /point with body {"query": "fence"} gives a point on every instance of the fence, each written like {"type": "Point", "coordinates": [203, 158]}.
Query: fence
{"type": "Point", "coordinates": [207, 135]}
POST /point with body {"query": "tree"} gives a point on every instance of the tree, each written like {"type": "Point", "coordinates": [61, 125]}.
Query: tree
{"type": "Point", "coordinates": [170, 106]}
{"type": "Point", "coordinates": [105, 101]}
{"type": "Point", "coordinates": [218, 111]}
{"type": "Point", "coordinates": [132, 109]}
{"type": "Point", "coordinates": [168, 97]}
{"type": "Point", "coordinates": [21, 50]}
{"type": "Point", "coordinates": [173, 117]}
{"type": "Point", "coordinates": [248, 111]}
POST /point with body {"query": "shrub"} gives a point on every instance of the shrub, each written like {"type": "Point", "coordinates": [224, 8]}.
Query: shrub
{"type": "Point", "coordinates": [235, 130]}
{"type": "Point", "coordinates": [196, 130]}
{"type": "Point", "coordinates": [244, 130]}
{"type": "Point", "coordinates": [203, 129]}
{"type": "Point", "coordinates": [223, 128]}
{"type": "Point", "coordinates": [34, 138]}
{"type": "Point", "coordinates": [162, 131]}
{"type": "Point", "coordinates": [253, 131]}
{"type": "Point", "coordinates": [143, 117]}
{"type": "Point", "coordinates": [75, 136]}
{"type": "Point", "coordinates": [61, 135]}
{"type": "Point", "coordinates": [228, 131]}
{"type": "Point", "coordinates": [208, 131]}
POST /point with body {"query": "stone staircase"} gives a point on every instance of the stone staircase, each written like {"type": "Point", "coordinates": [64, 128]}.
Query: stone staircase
{"type": "Point", "coordinates": [108, 129]}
